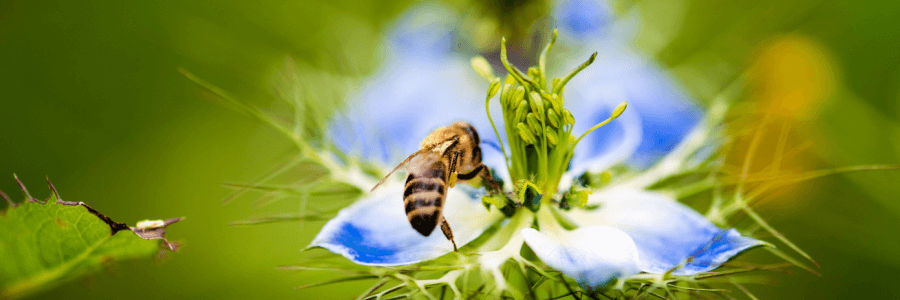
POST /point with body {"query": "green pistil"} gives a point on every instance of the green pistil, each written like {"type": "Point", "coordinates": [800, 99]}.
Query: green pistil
{"type": "Point", "coordinates": [538, 127]}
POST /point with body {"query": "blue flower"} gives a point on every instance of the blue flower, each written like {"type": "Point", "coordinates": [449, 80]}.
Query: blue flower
{"type": "Point", "coordinates": [632, 231]}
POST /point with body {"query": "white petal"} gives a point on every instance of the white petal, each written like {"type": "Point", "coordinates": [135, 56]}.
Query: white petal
{"type": "Point", "coordinates": [592, 255]}
{"type": "Point", "coordinates": [375, 231]}
{"type": "Point", "coordinates": [665, 231]}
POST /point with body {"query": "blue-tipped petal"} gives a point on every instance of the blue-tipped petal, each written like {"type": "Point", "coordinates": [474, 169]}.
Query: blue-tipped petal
{"type": "Point", "coordinates": [593, 255]}
{"type": "Point", "coordinates": [666, 232]}
{"type": "Point", "coordinates": [375, 231]}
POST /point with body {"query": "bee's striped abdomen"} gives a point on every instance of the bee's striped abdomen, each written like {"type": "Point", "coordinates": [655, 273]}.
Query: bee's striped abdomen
{"type": "Point", "coordinates": [424, 199]}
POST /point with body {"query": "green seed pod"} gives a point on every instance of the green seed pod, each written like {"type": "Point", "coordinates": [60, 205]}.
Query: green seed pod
{"type": "Point", "coordinates": [537, 105]}
{"type": "Point", "coordinates": [534, 124]}
{"type": "Point", "coordinates": [569, 118]}
{"type": "Point", "coordinates": [553, 118]}
{"type": "Point", "coordinates": [550, 133]}
{"type": "Point", "coordinates": [525, 133]}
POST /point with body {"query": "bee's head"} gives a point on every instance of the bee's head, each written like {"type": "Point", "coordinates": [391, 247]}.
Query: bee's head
{"type": "Point", "coordinates": [470, 131]}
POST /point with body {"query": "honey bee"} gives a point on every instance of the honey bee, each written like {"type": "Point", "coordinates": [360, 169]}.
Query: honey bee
{"type": "Point", "coordinates": [446, 154]}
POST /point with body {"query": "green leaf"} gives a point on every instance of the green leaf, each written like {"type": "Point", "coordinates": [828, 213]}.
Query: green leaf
{"type": "Point", "coordinates": [45, 243]}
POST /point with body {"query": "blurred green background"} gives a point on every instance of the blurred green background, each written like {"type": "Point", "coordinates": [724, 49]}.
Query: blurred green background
{"type": "Point", "coordinates": [91, 97]}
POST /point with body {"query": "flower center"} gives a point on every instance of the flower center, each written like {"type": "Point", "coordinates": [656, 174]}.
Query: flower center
{"type": "Point", "coordinates": [538, 127]}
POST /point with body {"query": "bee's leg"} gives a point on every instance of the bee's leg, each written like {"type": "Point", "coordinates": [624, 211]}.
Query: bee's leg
{"type": "Point", "coordinates": [453, 175]}
{"type": "Point", "coordinates": [445, 227]}
{"type": "Point", "coordinates": [485, 173]}
{"type": "Point", "coordinates": [472, 174]}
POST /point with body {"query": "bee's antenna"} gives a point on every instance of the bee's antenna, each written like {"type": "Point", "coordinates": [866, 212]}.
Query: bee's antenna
{"type": "Point", "coordinates": [396, 168]}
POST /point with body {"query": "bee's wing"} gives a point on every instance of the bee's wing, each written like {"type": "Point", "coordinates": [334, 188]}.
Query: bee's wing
{"type": "Point", "coordinates": [397, 168]}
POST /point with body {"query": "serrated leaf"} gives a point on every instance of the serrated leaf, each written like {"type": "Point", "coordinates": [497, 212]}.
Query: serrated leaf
{"type": "Point", "coordinates": [43, 244]}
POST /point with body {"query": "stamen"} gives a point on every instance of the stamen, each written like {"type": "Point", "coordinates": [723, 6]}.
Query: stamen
{"type": "Point", "coordinates": [616, 113]}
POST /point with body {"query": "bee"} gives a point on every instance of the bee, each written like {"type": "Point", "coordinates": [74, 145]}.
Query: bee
{"type": "Point", "coordinates": [446, 154]}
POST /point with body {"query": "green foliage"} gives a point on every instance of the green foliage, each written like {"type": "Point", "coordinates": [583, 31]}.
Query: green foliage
{"type": "Point", "coordinates": [43, 244]}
